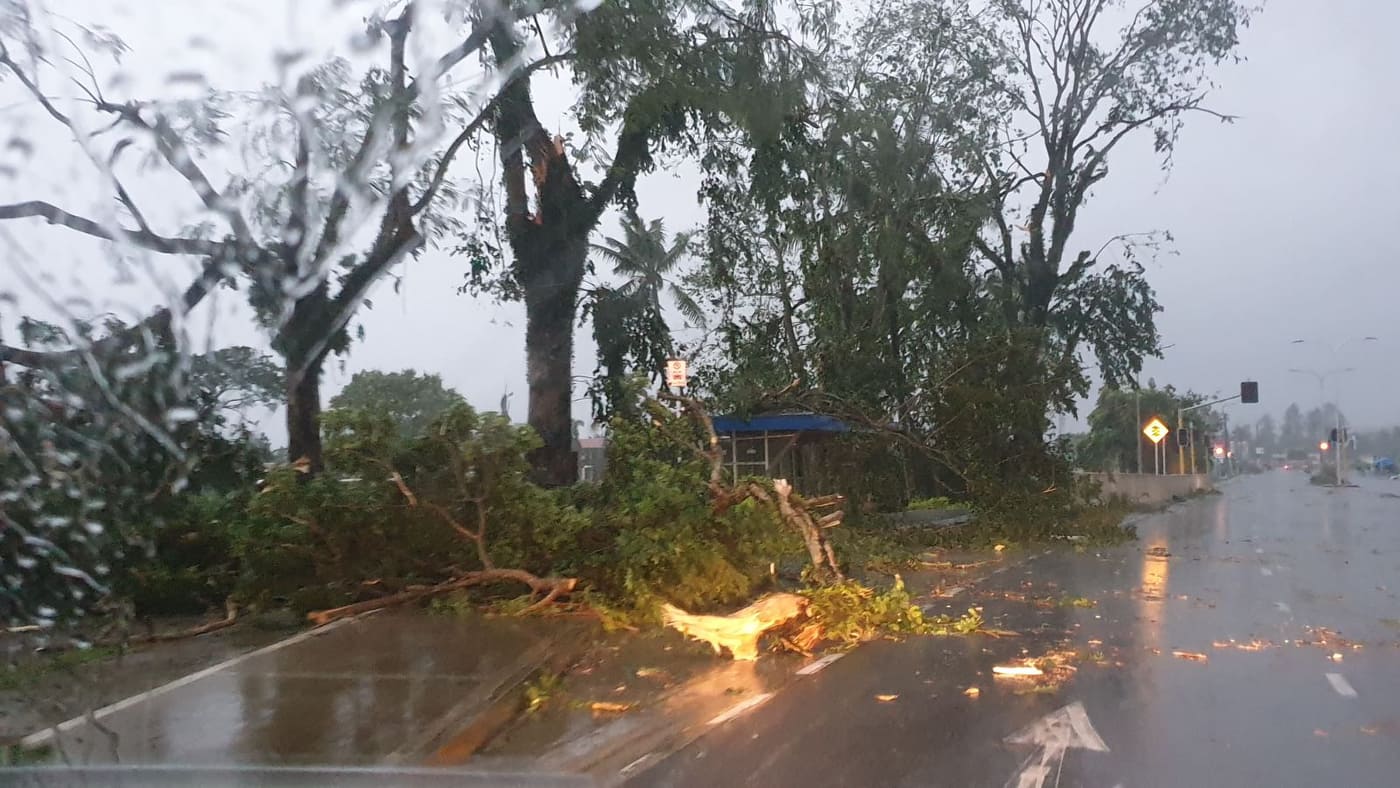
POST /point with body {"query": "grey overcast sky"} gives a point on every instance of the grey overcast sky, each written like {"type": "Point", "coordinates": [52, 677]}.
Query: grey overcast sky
{"type": "Point", "coordinates": [1284, 222]}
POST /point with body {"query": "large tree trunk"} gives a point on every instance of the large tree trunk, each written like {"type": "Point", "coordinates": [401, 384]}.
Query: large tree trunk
{"type": "Point", "coordinates": [549, 354]}
{"type": "Point", "coordinates": [304, 416]}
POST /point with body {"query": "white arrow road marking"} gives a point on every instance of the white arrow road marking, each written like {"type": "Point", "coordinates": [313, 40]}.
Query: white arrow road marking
{"type": "Point", "coordinates": [1053, 735]}
{"type": "Point", "coordinates": [1341, 685]}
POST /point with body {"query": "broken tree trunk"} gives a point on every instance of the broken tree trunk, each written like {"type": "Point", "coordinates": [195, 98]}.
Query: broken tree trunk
{"type": "Point", "coordinates": [739, 631]}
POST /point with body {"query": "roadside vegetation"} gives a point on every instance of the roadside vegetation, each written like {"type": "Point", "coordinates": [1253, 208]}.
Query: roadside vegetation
{"type": "Point", "coordinates": [888, 242]}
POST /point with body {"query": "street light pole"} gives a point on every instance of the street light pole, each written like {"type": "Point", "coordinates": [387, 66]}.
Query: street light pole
{"type": "Point", "coordinates": [1337, 449]}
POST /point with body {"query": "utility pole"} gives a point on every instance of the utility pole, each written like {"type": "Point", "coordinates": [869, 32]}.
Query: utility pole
{"type": "Point", "coordinates": [1137, 425]}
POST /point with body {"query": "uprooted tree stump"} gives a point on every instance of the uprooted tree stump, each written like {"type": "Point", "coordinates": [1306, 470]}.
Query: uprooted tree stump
{"type": "Point", "coordinates": [739, 631]}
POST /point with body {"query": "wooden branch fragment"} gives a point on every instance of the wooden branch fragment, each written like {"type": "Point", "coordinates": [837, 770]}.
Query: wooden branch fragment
{"type": "Point", "coordinates": [229, 619]}
{"type": "Point", "coordinates": [739, 631]}
{"type": "Point", "coordinates": [398, 481]}
{"type": "Point", "coordinates": [551, 587]}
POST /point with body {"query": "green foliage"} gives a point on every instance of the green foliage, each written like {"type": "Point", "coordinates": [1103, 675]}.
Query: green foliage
{"type": "Point", "coordinates": [24, 675]}
{"type": "Point", "coordinates": [851, 613]}
{"type": "Point", "coordinates": [935, 503]}
{"type": "Point", "coordinates": [189, 568]}
{"type": "Point", "coordinates": [540, 691]}
{"type": "Point", "coordinates": [655, 535]}
{"type": "Point", "coordinates": [96, 459]}
{"type": "Point", "coordinates": [629, 323]}
{"type": "Point", "coordinates": [646, 532]}
{"type": "Point", "coordinates": [410, 400]}
{"type": "Point", "coordinates": [1115, 433]}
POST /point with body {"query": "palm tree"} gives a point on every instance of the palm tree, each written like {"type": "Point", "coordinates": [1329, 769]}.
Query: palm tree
{"type": "Point", "coordinates": [629, 323]}
{"type": "Point", "coordinates": [642, 257]}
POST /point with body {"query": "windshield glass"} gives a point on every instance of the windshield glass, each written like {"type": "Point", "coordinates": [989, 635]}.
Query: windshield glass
{"type": "Point", "coordinates": [694, 392]}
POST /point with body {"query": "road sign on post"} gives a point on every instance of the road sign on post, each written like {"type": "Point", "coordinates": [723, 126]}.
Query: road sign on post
{"type": "Point", "coordinates": [1155, 430]}
{"type": "Point", "coordinates": [677, 373]}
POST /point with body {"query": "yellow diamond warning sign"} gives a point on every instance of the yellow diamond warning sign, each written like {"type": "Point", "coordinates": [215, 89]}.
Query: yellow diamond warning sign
{"type": "Point", "coordinates": [1155, 430]}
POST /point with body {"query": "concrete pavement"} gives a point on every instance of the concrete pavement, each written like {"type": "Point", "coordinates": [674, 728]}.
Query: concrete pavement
{"type": "Point", "coordinates": [1248, 638]}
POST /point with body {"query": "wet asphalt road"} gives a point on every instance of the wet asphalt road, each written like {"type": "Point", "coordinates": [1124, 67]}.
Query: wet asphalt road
{"type": "Point", "coordinates": [1308, 579]}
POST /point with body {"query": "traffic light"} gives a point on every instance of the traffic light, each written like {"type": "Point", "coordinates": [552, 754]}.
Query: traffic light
{"type": "Point", "coordinates": [1183, 437]}
{"type": "Point", "coordinates": [1249, 391]}
{"type": "Point", "coordinates": [1332, 436]}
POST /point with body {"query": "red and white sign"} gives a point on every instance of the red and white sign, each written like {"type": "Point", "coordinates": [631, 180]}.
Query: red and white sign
{"type": "Point", "coordinates": [677, 373]}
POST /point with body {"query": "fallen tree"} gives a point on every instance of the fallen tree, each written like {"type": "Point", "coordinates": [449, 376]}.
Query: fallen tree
{"type": "Point", "coordinates": [548, 589]}
{"type": "Point", "coordinates": [798, 513]}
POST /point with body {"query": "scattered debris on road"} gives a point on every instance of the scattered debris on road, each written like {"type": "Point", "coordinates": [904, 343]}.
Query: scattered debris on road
{"type": "Point", "coordinates": [886, 698]}
{"type": "Point", "coordinates": [1017, 671]}
{"type": "Point", "coordinates": [972, 692]}
{"type": "Point", "coordinates": [600, 707]}
{"type": "Point", "coordinates": [1194, 656]}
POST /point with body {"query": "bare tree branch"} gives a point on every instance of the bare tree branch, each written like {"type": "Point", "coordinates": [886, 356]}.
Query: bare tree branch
{"type": "Point", "coordinates": [142, 238]}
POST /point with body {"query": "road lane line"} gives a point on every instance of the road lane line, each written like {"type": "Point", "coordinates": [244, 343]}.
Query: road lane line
{"type": "Point", "coordinates": [645, 760]}
{"type": "Point", "coordinates": [952, 592]}
{"type": "Point", "coordinates": [1266, 571]}
{"type": "Point", "coordinates": [1283, 608]}
{"type": "Point", "coordinates": [1341, 685]}
{"type": "Point", "coordinates": [739, 708]}
{"type": "Point", "coordinates": [819, 665]}
{"type": "Point", "coordinates": [998, 571]}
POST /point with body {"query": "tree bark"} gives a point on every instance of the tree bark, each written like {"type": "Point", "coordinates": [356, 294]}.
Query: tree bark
{"type": "Point", "coordinates": [549, 354]}
{"type": "Point", "coordinates": [304, 415]}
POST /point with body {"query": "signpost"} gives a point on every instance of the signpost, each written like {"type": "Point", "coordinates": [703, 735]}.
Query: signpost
{"type": "Point", "coordinates": [677, 373]}
{"type": "Point", "coordinates": [1155, 431]}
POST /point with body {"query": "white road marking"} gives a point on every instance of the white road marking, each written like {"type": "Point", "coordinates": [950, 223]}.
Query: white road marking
{"type": "Point", "coordinates": [1283, 608]}
{"type": "Point", "coordinates": [998, 571]}
{"type": "Point", "coordinates": [1265, 571]}
{"type": "Point", "coordinates": [1341, 685]}
{"type": "Point", "coordinates": [40, 738]}
{"type": "Point", "coordinates": [1259, 550]}
{"type": "Point", "coordinates": [645, 760]}
{"type": "Point", "coordinates": [739, 708]}
{"type": "Point", "coordinates": [816, 667]}
{"type": "Point", "coordinates": [1046, 552]}
{"type": "Point", "coordinates": [952, 592]}
{"type": "Point", "coordinates": [1053, 735]}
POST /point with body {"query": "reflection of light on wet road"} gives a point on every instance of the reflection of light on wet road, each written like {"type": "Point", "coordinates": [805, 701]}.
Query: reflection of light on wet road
{"type": "Point", "coordinates": [1154, 591]}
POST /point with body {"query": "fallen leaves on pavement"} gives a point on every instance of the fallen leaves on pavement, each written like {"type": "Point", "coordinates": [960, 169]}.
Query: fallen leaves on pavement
{"type": "Point", "coordinates": [886, 698]}
{"type": "Point", "coordinates": [1253, 645]}
{"type": "Point", "coordinates": [972, 692]}
{"type": "Point", "coordinates": [1194, 656]}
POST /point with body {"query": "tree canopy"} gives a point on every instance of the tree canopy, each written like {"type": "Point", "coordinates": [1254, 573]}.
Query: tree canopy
{"type": "Point", "coordinates": [410, 400]}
